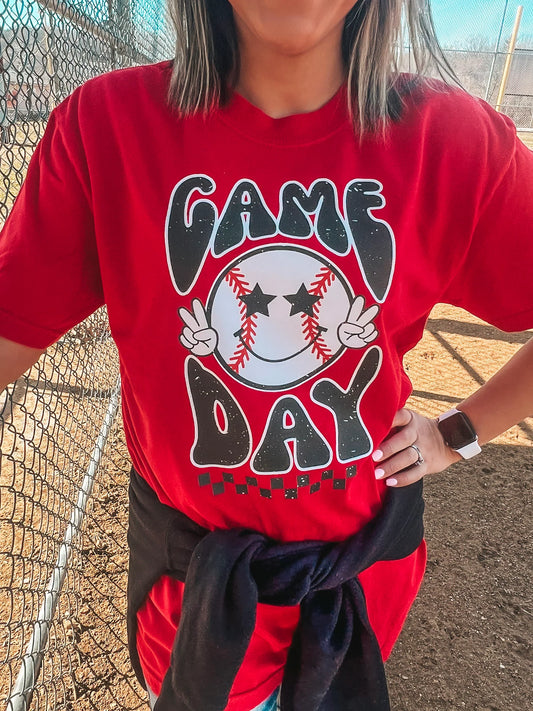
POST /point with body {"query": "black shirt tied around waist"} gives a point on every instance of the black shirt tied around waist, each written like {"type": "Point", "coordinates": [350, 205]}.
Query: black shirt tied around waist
{"type": "Point", "coordinates": [334, 662]}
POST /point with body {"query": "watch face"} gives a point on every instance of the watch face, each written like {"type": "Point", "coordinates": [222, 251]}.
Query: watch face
{"type": "Point", "coordinates": [457, 431]}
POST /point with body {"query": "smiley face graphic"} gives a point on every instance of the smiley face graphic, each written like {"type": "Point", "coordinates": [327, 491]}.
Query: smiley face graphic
{"type": "Point", "coordinates": [276, 316]}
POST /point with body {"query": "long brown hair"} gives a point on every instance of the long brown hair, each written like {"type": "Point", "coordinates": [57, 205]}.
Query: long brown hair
{"type": "Point", "coordinates": [206, 66]}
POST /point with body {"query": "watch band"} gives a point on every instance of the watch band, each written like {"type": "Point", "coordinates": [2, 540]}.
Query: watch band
{"type": "Point", "coordinates": [470, 449]}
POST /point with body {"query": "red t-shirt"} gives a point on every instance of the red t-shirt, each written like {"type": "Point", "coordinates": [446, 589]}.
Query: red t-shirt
{"type": "Point", "coordinates": [221, 246]}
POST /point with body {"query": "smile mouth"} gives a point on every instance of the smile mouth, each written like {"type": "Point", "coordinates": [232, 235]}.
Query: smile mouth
{"type": "Point", "coordinates": [238, 334]}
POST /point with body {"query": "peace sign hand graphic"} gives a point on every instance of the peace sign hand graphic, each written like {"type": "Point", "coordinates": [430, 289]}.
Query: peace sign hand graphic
{"type": "Point", "coordinates": [197, 336]}
{"type": "Point", "coordinates": [358, 330]}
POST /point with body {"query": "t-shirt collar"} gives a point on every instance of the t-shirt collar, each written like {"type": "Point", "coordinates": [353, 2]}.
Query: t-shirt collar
{"type": "Point", "coordinates": [297, 129]}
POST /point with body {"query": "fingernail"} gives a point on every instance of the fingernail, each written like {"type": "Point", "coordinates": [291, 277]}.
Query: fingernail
{"type": "Point", "coordinates": [391, 482]}
{"type": "Point", "coordinates": [377, 455]}
{"type": "Point", "coordinates": [380, 473]}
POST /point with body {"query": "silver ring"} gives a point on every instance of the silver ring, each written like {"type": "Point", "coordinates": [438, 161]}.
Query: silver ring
{"type": "Point", "coordinates": [420, 459]}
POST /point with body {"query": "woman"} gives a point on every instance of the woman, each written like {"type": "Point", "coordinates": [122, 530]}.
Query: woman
{"type": "Point", "coordinates": [269, 246]}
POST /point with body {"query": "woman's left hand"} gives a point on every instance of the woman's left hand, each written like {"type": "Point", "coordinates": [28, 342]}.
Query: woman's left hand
{"type": "Point", "coordinates": [415, 449]}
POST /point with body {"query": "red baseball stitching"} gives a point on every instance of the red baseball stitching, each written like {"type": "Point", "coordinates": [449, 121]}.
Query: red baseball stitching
{"type": "Point", "coordinates": [310, 324]}
{"type": "Point", "coordinates": [238, 284]}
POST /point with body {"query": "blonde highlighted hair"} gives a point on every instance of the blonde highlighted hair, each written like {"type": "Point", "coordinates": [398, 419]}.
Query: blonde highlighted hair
{"type": "Point", "coordinates": [206, 66]}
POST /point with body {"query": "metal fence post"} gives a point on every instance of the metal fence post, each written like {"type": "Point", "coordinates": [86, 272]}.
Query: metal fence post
{"type": "Point", "coordinates": [509, 60]}
{"type": "Point", "coordinates": [496, 52]}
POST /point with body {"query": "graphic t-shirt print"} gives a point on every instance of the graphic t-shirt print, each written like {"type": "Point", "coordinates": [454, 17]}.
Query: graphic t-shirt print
{"type": "Point", "coordinates": [276, 315]}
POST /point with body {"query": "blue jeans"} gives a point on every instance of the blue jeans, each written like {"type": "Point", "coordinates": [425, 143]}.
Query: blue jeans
{"type": "Point", "coordinates": [271, 704]}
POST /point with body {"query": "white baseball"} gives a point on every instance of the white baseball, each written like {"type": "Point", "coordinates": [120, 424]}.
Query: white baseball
{"type": "Point", "coordinates": [277, 312]}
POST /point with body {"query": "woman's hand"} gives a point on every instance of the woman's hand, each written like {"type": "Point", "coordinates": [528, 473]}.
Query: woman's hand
{"type": "Point", "coordinates": [398, 456]}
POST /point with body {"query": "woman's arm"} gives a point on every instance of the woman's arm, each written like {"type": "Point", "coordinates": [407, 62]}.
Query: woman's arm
{"type": "Point", "coordinates": [505, 400]}
{"type": "Point", "coordinates": [15, 359]}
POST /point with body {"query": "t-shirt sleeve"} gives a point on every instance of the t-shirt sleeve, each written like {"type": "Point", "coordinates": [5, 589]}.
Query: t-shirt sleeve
{"type": "Point", "coordinates": [49, 271]}
{"type": "Point", "coordinates": [494, 280]}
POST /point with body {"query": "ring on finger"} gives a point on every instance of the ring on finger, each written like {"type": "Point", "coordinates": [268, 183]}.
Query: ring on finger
{"type": "Point", "coordinates": [420, 458]}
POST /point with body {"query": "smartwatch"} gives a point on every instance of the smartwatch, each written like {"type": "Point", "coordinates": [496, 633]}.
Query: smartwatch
{"type": "Point", "coordinates": [459, 433]}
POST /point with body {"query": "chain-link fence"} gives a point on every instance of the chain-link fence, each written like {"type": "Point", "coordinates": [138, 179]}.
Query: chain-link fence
{"type": "Point", "coordinates": [64, 465]}
{"type": "Point", "coordinates": [48, 48]}
{"type": "Point", "coordinates": [475, 35]}
{"type": "Point", "coordinates": [476, 38]}
{"type": "Point", "coordinates": [58, 430]}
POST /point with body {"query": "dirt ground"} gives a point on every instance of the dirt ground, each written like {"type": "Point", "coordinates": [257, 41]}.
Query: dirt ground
{"type": "Point", "coordinates": [527, 138]}
{"type": "Point", "coordinates": [467, 641]}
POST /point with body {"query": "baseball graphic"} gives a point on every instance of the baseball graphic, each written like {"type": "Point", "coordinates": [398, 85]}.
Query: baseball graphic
{"type": "Point", "coordinates": [276, 316]}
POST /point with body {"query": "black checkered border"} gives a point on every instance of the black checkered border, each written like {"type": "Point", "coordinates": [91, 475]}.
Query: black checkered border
{"type": "Point", "coordinates": [267, 488]}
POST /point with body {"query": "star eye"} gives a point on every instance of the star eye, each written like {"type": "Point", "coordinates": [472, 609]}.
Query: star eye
{"type": "Point", "coordinates": [302, 302]}
{"type": "Point", "coordinates": [256, 301]}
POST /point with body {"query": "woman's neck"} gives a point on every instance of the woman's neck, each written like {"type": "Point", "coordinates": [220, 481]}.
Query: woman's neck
{"type": "Point", "coordinates": [282, 84]}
